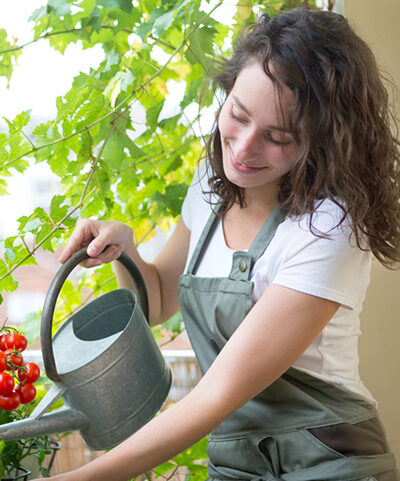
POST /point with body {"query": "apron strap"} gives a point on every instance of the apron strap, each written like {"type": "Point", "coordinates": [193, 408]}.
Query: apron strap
{"type": "Point", "coordinates": [243, 262]}
{"type": "Point", "coordinates": [203, 241]}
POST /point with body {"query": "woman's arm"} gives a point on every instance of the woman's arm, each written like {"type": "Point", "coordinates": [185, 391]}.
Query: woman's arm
{"type": "Point", "coordinates": [278, 329]}
{"type": "Point", "coordinates": [161, 277]}
{"type": "Point", "coordinates": [105, 240]}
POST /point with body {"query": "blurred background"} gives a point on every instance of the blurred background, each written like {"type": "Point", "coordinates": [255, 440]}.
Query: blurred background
{"type": "Point", "coordinates": [43, 74]}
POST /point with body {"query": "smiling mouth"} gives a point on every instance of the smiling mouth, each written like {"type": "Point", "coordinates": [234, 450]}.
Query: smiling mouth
{"type": "Point", "coordinates": [242, 167]}
{"type": "Point", "coordinates": [241, 163]}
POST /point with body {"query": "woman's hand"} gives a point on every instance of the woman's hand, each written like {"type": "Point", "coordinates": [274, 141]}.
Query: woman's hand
{"type": "Point", "coordinates": [105, 240]}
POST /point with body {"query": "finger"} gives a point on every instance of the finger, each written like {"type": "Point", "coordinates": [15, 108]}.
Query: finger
{"type": "Point", "coordinates": [71, 249]}
{"type": "Point", "coordinates": [80, 237]}
{"type": "Point", "coordinates": [97, 246]}
{"type": "Point", "coordinates": [109, 254]}
{"type": "Point", "coordinates": [91, 262]}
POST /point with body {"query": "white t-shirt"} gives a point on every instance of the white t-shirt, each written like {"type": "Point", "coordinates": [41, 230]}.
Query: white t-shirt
{"type": "Point", "coordinates": [333, 268]}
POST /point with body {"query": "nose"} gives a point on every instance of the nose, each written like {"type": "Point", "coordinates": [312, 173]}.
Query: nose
{"type": "Point", "coordinates": [247, 145]}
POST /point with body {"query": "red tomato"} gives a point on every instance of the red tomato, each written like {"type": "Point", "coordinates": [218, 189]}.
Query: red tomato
{"type": "Point", "coordinates": [16, 341]}
{"type": "Point", "coordinates": [6, 384]}
{"type": "Point", "coordinates": [11, 402]}
{"type": "Point", "coordinates": [13, 358]}
{"type": "Point", "coordinates": [3, 346]}
{"type": "Point", "coordinates": [31, 374]}
{"type": "Point", "coordinates": [3, 364]}
{"type": "Point", "coordinates": [27, 392]}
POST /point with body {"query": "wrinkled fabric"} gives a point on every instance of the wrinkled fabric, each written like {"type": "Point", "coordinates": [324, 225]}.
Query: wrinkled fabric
{"type": "Point", "coordinates": [270, 438]}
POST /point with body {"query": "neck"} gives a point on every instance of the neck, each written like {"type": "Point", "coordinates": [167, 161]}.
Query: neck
{"type": "Point", "coordinates": [261, 198]}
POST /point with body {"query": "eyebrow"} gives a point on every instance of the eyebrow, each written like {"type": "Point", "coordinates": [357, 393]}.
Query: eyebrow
{"type": "Point", "coordinates": [270, 127]}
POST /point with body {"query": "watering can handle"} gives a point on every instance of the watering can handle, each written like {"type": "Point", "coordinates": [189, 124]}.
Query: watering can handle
{"type": "Point", "coordinates": [52, 295]}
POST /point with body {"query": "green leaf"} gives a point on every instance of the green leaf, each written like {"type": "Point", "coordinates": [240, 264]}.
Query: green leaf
{"type": "Point", "coordinates": [3, 187]}
{"type": "Point", "coordinates": [31, 323]}
{"type": "Point", "coordinates": [174, 323]}
{"type": "Point", "coordinates": [163, 22]}
{"type": "Point", "coordinates": [10, 255]}
{"type": "Point", "coordinates": [119, 83]}
{"type": "Point", "coordinates": [92, 23]}
{"type": "Point", "coordinates": [125, 5]}
{"type": "Point", "coordinates": [8, 283]}
{"type": "Point", "coordinates": [57, 210]}
{"type": "Point", "coordinates": [31, 225]}
{"type": "Point", "coordinates": [38, 14]}
{"type": "Point", "coordinates": [59, 7]}
{"type": "Point", "coordinates": [8, 59]}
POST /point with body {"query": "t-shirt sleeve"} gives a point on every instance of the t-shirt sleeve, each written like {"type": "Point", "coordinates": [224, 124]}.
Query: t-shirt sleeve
{"type": "Point", "coordinates": [186, 208]}
{"type": "Point", "coordinates": [194, 197]}
{"type": "Point", "coordinates": [333, 268]}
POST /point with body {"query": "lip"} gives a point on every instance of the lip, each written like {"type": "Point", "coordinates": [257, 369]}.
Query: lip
{"type": "Point", "coordinates": [244, 169]}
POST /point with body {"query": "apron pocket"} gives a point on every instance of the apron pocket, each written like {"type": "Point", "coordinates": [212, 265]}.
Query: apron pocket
{"type": "Point", "coordinates": [228, 456]}
{"type": "Point", "coordinates": [294, 451]}
{"type": "Point", "coordinates": [361, 439]}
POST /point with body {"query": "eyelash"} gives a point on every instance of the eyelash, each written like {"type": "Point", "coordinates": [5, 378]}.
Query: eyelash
{"type": "Point", "coordinates": [235, 117]}
{"type": "Point", "coordinates": [271, 139]}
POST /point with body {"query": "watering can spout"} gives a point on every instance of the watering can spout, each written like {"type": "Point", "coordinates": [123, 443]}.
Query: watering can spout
{"type": "Point", "coordinates": [60, 421]}
{"type": "Point", "coordinates": [40, 424]}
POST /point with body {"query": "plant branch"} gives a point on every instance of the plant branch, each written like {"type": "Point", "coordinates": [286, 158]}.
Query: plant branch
{"type": "Point", "coordinates": [197, 58]}
{"type": "Point", "coordinates": [170, 339]}
{"type": "Point", "coordinates": [59, 32]}
{"type": "Point", "coordinates": [149, 156]}
{"type": "Point", "coordinates": [56, 227]}
{"type": "Point", "coordinates": [127, 100]}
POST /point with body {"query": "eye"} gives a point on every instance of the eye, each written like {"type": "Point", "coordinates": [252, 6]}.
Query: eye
{"type": "Point", "coordinates": [236, 117]}
{"type": "Point", "coordinates": [277, 141]}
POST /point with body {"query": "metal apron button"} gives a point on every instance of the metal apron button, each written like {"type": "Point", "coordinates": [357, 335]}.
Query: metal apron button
{"type": "Point", "coordinates": [242, 266]}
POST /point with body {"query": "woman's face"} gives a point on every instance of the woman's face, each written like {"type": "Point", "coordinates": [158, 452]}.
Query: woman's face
{"type": "Point", "coordinates": [257, 148]}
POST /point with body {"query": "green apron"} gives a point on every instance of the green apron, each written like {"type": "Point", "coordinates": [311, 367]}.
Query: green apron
{"type": "Point", "coordinates": [298, 429]}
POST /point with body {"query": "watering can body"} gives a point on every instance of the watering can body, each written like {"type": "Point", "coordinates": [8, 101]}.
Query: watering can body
{"type": "Point", "coordinates": [105, 364]}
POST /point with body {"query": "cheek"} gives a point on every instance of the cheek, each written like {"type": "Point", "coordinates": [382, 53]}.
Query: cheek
{"type": "Point", "coordinates": [291, 153]}
{"type": "Point", "coordinates": [282, 159]}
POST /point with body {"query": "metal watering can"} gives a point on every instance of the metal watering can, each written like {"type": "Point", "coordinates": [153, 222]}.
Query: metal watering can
{"type": "Point", "coordinates": [105, 365]}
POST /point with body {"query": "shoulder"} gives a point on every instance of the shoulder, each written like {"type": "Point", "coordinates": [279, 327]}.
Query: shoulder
{"type": "Point", "coordinates": [318, 255]}
{"type": "Point", "coordinates": [326, 233]}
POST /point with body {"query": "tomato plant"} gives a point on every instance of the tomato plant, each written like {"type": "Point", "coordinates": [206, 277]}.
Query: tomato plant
{"type": "Point", "coordinates": [13, 359]}
{"type": "Point", "coordinates": [18, 397]}
{"type": "Point", "coordinates": [16, 377]}
{"type": "Point", "coordinates": [11, 402]}
{"type": "Point", "coordinates": [6, 384]}
{"type": "Point", "coordinates": [3, 346]}
{"type": "Point", "coordinates": [16, 341]}
{"type": "Point", "coordinates": [31, 373]}
{"type": "Point", "coordinates": [27, 392]}
{"type": "Point", "coordinates": [3, 365]}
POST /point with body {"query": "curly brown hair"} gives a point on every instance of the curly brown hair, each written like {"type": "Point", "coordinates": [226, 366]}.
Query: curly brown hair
{"type": "Point", "coordinates": [341, 120]}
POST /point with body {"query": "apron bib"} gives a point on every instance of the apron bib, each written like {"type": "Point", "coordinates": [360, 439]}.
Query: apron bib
{"type": "Point", "coordinates": [300, 428]}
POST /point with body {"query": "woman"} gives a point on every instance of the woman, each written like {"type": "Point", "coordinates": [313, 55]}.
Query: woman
{"type": "Point", "coordinates": [272, 256]}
